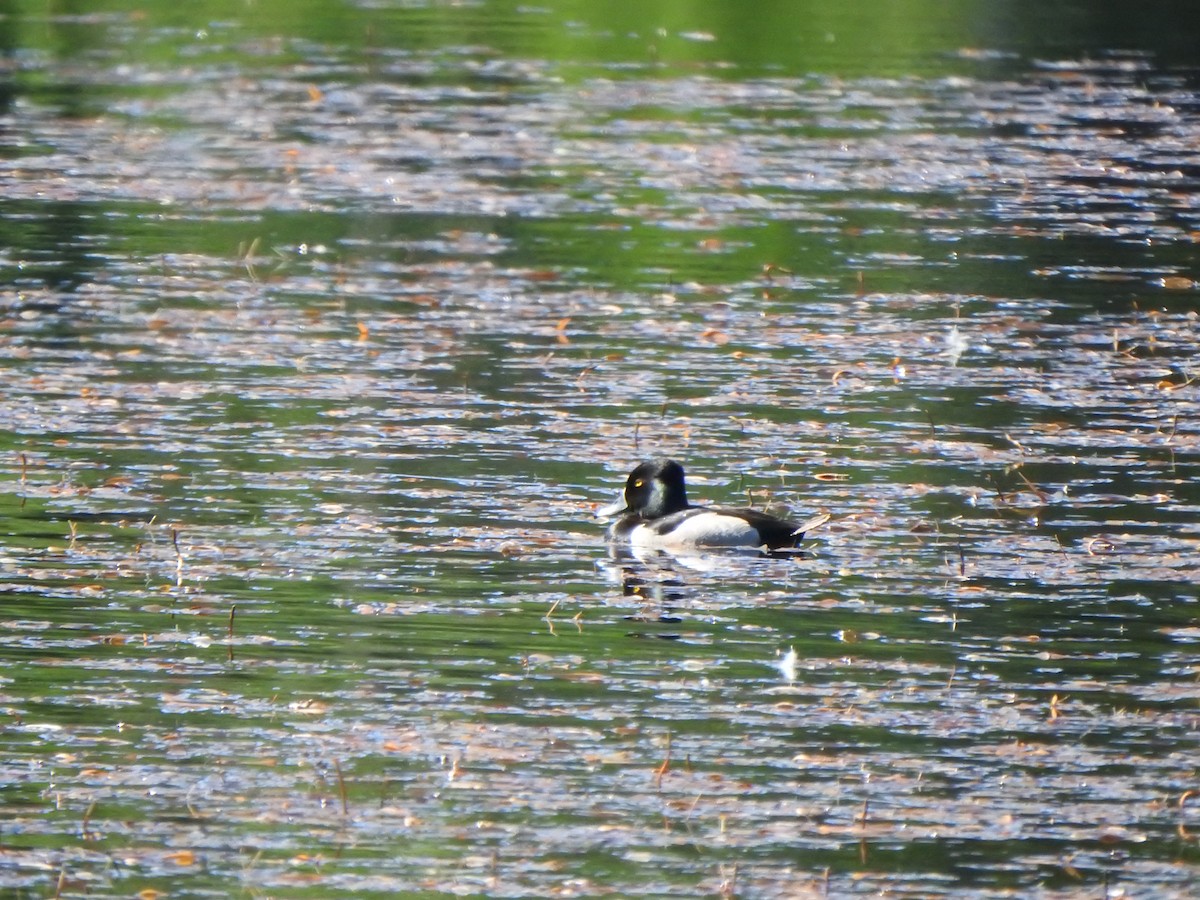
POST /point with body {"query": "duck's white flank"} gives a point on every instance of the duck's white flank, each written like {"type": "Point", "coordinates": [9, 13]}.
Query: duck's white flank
{"type": "Point", "coordinates": [704, 529]}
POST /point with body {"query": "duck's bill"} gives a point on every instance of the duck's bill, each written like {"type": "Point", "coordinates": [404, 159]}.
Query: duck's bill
{"type": "Point", "coordinates": [615, 508]}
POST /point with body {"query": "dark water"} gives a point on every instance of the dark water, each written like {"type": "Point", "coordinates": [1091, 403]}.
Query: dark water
{"type": "Point", "coordinates": [325, 327]}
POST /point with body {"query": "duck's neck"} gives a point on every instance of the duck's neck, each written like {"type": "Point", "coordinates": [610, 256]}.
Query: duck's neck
{"type": "Point", "coordinates": [669, 498]}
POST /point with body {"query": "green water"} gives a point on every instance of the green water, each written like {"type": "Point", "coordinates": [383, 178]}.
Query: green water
{"type": "Point", "coordinates": [325, 327]}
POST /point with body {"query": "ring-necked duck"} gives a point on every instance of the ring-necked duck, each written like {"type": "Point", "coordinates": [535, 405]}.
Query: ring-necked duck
{"type": "Point", "coordinates": [654, 513]}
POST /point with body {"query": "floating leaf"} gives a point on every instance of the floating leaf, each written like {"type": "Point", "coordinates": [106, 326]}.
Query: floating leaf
{"type": "Point", "coordinates": [1176, 283]}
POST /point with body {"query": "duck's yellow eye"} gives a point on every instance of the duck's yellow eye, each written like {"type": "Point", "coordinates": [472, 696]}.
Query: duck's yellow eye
{"type": "Point", "coordinates": [638, 483]}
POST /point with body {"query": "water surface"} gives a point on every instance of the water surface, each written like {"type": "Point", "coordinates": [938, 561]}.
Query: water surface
{"type": "Point", "coordinates": [325, 329]}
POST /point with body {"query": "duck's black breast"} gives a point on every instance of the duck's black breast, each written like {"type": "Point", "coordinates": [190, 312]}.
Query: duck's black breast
{"type": "Point", "coordinates": [624, 526]}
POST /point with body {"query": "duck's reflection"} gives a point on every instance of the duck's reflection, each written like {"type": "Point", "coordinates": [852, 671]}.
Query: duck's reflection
{"type": "Point", "coordinates": [669, 584]}
{"type": "Point", "coordinates": [655, 583]}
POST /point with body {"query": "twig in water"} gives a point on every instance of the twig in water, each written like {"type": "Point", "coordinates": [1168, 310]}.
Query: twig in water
{"type": "Point", "coordinates": [729, 884]}
{"type": "Point", "coordinates": [178, 557]}
{"type": "Point", "coordinates": [1182, 829]}
{"type": "Point", "coordinates": [337, 766]}
{"type": "Point", "coordinates": [246, 257]}
{"type": "Point", "coordinates": [666, 765]}
{"type": "Point", "coordinates": [87, 818]}
{"type": "Point", "coordinates": [1001, 499]}
{"type": "Point", "coordinates": [1037, 492]}
{"type": "Point", "coordinates": [584, 373]}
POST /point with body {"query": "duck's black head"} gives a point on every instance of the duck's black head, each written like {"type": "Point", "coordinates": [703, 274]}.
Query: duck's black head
{"type": "Point", "coordinates": [655, 489]}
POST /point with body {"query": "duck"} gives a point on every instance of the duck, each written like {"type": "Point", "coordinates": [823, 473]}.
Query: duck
{"type": "Point", "coordinates": [653, 512]}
